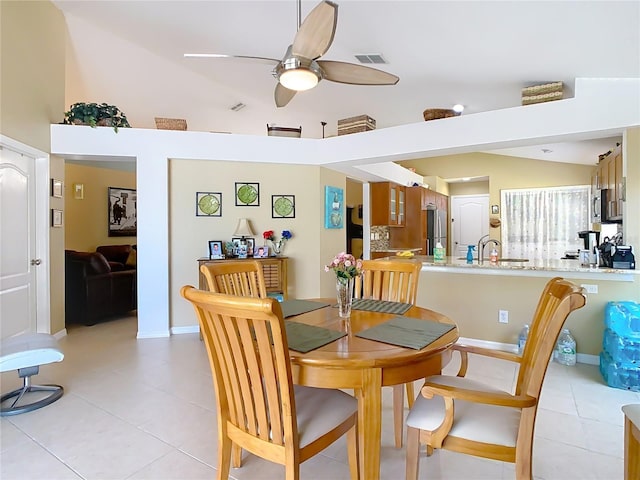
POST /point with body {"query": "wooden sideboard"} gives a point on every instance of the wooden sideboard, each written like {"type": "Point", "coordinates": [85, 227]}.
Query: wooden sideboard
{"type": "Point", "coordinates": [274, 268]}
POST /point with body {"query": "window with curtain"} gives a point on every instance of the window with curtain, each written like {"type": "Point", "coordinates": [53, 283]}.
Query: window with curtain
{"type": "Point", "coordinates": [543, 223]}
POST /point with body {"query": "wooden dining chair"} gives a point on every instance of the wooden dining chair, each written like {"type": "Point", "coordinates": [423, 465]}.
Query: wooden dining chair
{"type": "Point", "coordinates": [244, 278]}
{"type": "Point", "coordinates": [258, 407]}
{"type": "Point", "coordinates": [466, 416]}
{"type": "Point", "coordinates": [394, 281]}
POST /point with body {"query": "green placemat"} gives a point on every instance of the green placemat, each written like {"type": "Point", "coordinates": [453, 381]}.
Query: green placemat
{"type": "Point", "coordinates": [296, 307]}
{"type": "Point", "coordinates": [304, 338]}
{"type": "Point", "coordinates": [406, 332]}
{"type": "Point", "coordinates": [383, 306]}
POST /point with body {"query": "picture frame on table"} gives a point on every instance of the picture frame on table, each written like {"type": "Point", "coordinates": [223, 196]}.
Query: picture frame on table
{"type": "Point", "coordinates": [215, 249]}
{"type": "Point", "coordinates": [249, 244]}
{"type": "Point", "coordinates": [495, 209]}
{"type": "Point", "coordinates": [261, 252]}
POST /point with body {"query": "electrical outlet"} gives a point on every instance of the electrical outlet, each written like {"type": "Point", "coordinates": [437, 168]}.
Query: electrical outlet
{"type": "Point", "coordinates": [503, 316]}
{"type": "Point", "coordinates": [590, 288]}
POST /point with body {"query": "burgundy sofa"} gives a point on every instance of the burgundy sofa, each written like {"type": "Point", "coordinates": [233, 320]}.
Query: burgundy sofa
{"type": "Point", "coordinates": [94, 291]}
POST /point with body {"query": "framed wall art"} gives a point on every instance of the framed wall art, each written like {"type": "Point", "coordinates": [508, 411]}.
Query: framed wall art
{"type": "Point", "coordinates": [333, 207]}
{"type": "Point", "coordinates": [56, 188]}
{"type": "Point", "coordinates": [208, 204]}
{"type": "Point", "coordinates": [247, 194]}
{"type": "Point", "coordinates": [56, 217]}
{"type": "Point", "coordinates": [283, 206]}
{"type": "Point", "coordinates": [122, 212]}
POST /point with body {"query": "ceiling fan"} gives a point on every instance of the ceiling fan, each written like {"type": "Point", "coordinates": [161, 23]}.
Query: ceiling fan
{"type": "Point", "coordinates": [301, 69]}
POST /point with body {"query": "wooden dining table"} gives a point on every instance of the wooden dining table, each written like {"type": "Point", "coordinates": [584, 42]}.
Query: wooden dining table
{"type": "Point", "coordinates": [366, 366]}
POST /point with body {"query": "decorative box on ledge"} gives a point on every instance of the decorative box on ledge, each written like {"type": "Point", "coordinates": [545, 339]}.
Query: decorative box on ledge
{"type": "Point", "coordinates": [273, 131]}
{"type": "Point", "coordinates": [542, 93]}
{"type": "Point", "coordinates": [171, 123]}
{"type": "Point", "coordinates": [361, 123]}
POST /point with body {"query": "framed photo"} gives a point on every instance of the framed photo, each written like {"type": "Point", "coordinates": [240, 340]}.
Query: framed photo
{"type": "Point", "coordinates": [249, 244]}
{"type": "Point", "coordinates": [208, 204]}
{"type": "Point", "coordinates": [215, 249]}
{"type": "Point", "coordinates": [247, 194]}
{"type": "Point", "coordinates": [495, 209]}
{"type": "Point", "coordinates": [78, 191]}
{"type": "Point", "coordinates": [283, 206]}
{"type": "Point", "coordinates": [261, 252]}
{"type": "Point", "coordinates": [56, 188]}
{"type": "Point", "coordinates": [241, 251]}
{"type": "Point", "coordinates": [56, 217]}
{"type": "Point", "coordinates": [333, 207]}
{"type": "Point", "coordinates": [122, 212]}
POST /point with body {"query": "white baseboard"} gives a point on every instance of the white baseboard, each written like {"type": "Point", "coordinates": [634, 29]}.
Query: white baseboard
{"type": "Point", "coordinates": [188, 329]}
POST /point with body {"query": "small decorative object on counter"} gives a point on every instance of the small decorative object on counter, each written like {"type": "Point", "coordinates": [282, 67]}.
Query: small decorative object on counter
{"type": "Point", "coordinates": [277, 246]}
{"type": "Point", "coordinates": [493, 256]}
{"type": "Point", "coordinates": [438, 253]}
{"type": "Point", "coordinates": [470, 250]}
{"type": "Point", "coordinates": [346, 268]}
{"type": "Point", "coordinates": [566, 348]}
{"type": "Point", "coordinates": [522, 338]}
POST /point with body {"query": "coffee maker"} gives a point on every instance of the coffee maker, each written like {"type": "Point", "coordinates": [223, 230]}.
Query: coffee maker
{"type": "Point", "coordinates": [589, 256]}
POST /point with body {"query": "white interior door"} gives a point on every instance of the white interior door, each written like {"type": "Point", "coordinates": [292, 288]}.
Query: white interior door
{"type": "Point", "coordinates": [469, 221]}
{"type": "Point", "coordinates": [18, 262]}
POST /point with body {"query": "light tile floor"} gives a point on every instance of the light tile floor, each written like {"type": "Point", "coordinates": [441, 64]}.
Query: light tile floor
{"type": "Point", "coordinates": [144, 409]}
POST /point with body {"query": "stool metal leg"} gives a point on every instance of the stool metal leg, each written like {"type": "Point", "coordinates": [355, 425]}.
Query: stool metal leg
{"type": "Point", "coordinates": [15, 408]}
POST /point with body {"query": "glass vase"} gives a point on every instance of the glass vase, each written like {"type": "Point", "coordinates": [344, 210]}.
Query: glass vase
{"type": "Point", "coordinates": [277, 247]}
{"type": "Point", "coordinates": [344, 294]}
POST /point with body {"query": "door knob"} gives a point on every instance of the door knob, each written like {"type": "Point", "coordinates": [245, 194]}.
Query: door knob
{"type": "Point", "coordinates": [36, 261]}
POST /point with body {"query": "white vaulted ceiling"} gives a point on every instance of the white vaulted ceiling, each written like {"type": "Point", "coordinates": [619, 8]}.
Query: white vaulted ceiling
{"type": "Point", "coordinates": [478, 53]}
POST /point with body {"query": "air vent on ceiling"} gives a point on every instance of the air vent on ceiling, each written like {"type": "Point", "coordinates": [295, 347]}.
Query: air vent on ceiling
{"type": "Point", "coordinates": [370, 58]}
{"type": "Point", "coordinates": [238, 106]}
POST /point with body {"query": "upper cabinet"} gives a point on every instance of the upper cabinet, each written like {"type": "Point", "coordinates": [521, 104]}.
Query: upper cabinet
{"type": "Point", "coordinates": [388, 204]}
{"type": "Point", "coordinates": [608, 176]}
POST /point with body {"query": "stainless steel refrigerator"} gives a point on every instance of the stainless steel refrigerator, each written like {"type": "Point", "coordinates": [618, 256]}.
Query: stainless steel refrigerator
{"type": "Point", "coordinates": [436, 228]}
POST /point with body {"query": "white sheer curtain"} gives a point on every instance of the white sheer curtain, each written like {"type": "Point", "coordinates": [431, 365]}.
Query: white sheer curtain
{"type": "Point", "coordinates": [543, 223]}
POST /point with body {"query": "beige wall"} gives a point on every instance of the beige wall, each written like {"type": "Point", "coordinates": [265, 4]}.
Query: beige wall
{"type": "Point", "coordinates": [86, 224]}
{"type": "Point", "coordinates": [32, 82]}
{"type": "Point", "coordinates": [33, 38]}
{"type": "Point", "coordinates": [310, 248]}
{"type": "Point", "coordinates": [353, 193]}
{"type": "Point", "coordinates": [469, 188]}
{"type": "Point", "coordinates": [473, 302]}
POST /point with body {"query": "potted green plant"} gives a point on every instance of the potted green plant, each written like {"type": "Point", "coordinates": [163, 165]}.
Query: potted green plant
{"type": "Point", "coordinates": [94, 114]}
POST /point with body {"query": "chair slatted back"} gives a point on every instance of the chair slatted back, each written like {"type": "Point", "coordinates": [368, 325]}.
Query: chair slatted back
{"type": "Point", "coordinates": [244, 278]}
{"type": "Point", "coordinates": [249, 357]}
{"type": "Point", "coordinates": [391, 280]}
{"type": "Point", "coordinates": [559, 298]}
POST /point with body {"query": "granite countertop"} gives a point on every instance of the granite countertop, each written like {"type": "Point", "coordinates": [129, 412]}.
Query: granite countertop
{"type": "Point", "coordinates": [460, 265]}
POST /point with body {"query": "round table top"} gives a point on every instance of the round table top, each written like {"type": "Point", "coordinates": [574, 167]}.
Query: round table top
{"type": "Point", "coordinates": [352, 351]}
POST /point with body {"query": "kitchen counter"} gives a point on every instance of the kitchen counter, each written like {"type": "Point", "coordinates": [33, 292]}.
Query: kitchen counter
{"type": "Point", "coordinates": [394, 250]}
{"type": "Point", "coordinates": [534, 268]}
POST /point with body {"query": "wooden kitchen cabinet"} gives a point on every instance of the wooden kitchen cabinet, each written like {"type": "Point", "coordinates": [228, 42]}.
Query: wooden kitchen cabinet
{"type": "Point", "coordinates": [388, 204]}
{"type": "Point", "coordinates": [608, 175]}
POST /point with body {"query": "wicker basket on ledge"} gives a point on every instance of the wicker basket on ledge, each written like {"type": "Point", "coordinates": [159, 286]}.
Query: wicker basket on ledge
{"type": "Point", "coordinates": [436, 113]}
{"type": "Point", "coordinates": [171, 123]}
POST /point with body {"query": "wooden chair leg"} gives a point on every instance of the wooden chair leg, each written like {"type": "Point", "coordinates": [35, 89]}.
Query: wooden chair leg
{"type": "Point", "coordinates": [352, 451]}
{"type": "Point", "coordinates": [410, 394]}
{"type": "Point", "coordinates": [236, 456]}
{"type": "Point", "coordinates": [412, 454]}
{"type": "Point", "coordinates": [224, 457]}
{"type": "Point", "coordinates": [398, 413]}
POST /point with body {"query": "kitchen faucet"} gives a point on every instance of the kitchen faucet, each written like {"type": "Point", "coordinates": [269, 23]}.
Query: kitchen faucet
{"type": "Point", "coordinates": [483, 243]}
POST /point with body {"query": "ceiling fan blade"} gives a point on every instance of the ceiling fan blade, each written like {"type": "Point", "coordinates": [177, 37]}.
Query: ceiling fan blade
{"type": "Point", "coordinates": [343, 72]}
{"type": "Point", "coordinates": [270, 61]}
{"type": "Point", "coordinates": [316, 32]}
{"type": "Point", "coordinates": [283, 95]}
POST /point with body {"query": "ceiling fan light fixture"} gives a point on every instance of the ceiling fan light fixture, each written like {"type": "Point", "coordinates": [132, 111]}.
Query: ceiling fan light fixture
{"type": "Point", "coordinates": [299, 79]}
